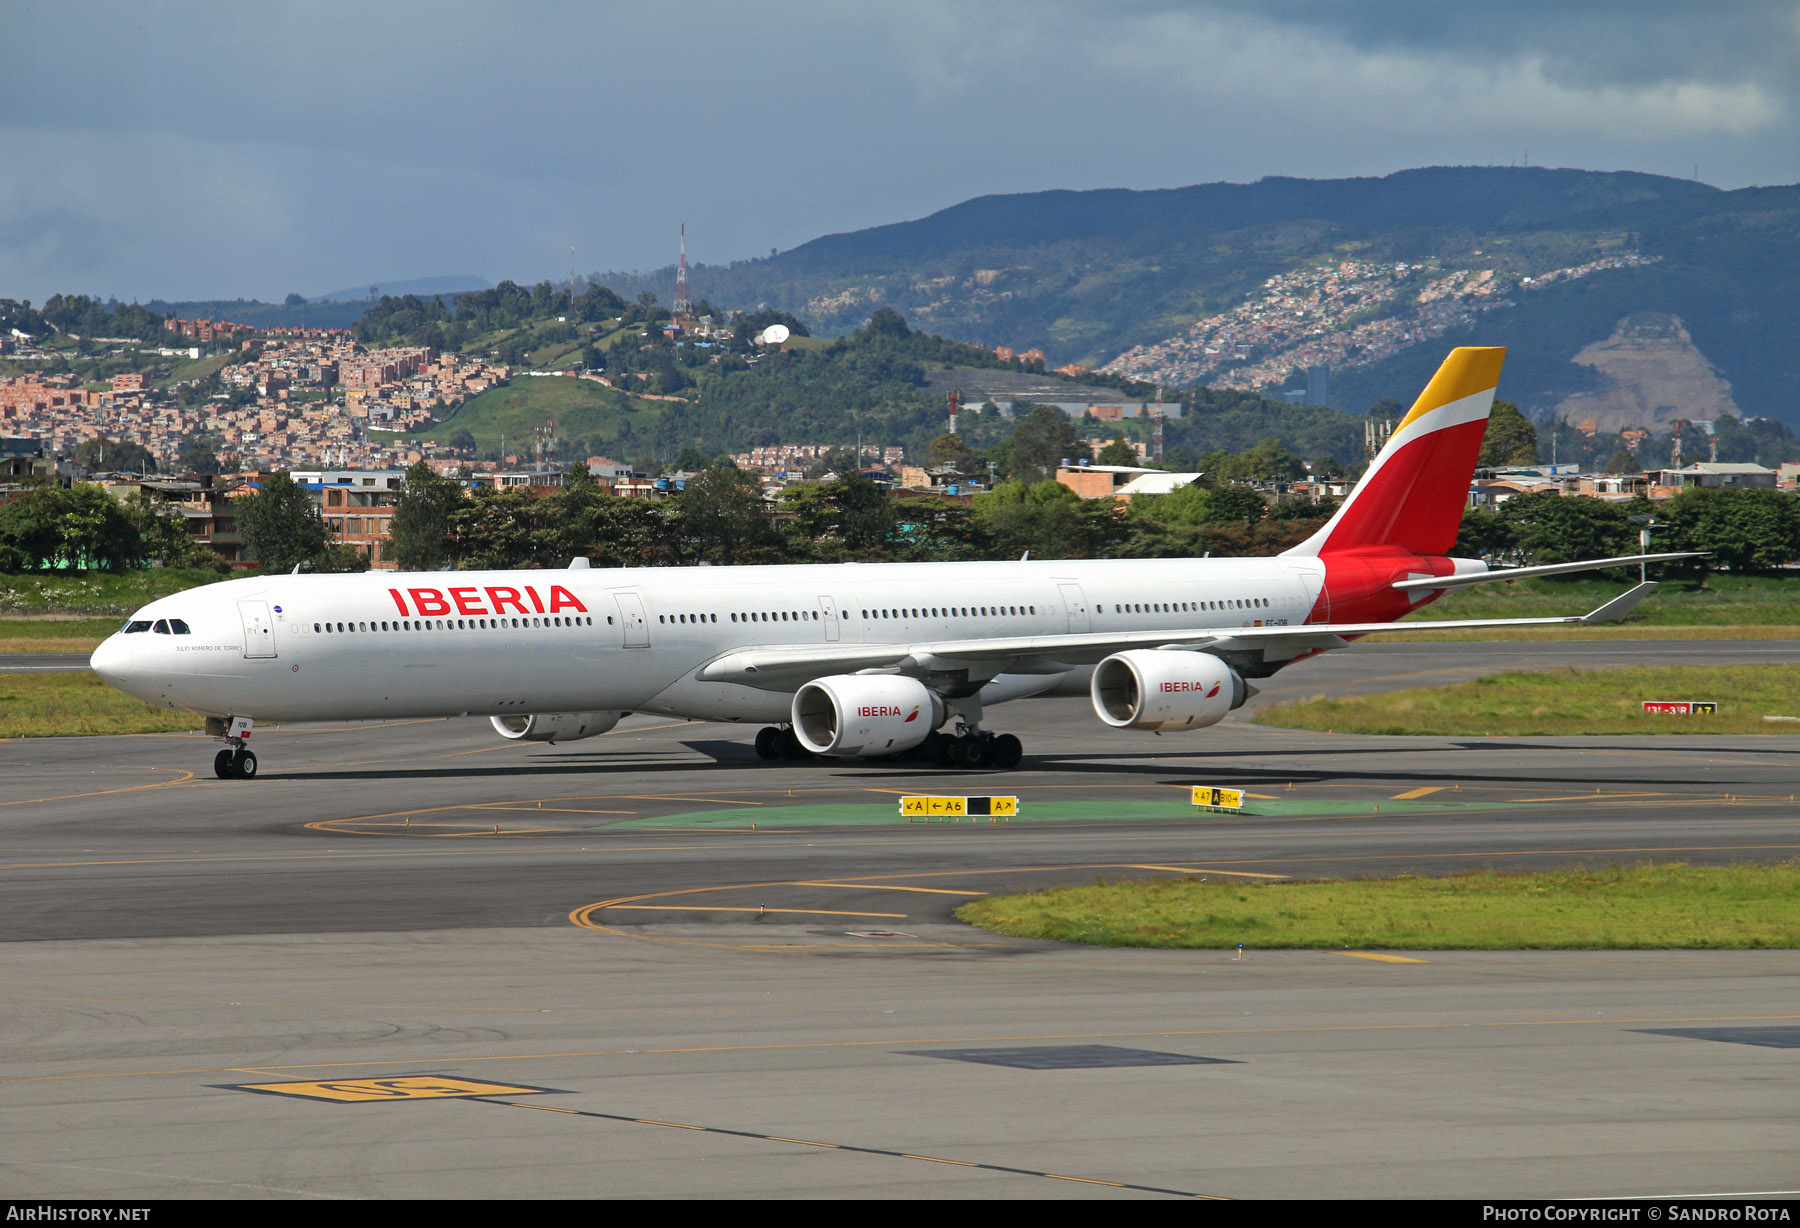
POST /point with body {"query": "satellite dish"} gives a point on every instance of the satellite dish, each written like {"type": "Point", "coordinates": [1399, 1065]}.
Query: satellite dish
{"type": "Point", "coordinates": [775, 334]}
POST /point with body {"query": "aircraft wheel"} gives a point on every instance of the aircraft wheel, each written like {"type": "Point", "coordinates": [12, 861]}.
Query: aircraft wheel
{"type": "Point", "coordinates": [243, 765]}
{"type": "Point", "coordinates": [972, 753]}
{"type": "Point", "coordinates": [222, 765]}
{"type": "Point", "coordinates": [790, 746]}
{"type": "Point", "coordinates": [768, 742]}
{"type": "Point", "coordinates": [943, 751]}
{"type": "Point", "coordinates": [1006, 751]}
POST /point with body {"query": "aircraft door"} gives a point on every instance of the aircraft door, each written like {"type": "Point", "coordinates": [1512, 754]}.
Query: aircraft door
{"type": "Point", "coordinates": [1318, 599]}
{"type": "Point", "coordinates": [828, 615]}
{"type": "Point", "coordinates": [1074, 606]}
{"type": "Point", "coordinates": [632, 616]}
{"type": "Point", "coordinates": [259, 630]}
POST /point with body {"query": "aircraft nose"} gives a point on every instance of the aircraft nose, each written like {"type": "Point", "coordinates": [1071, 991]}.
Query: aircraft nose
{"type": "Point", "coordinates": [112, 661]}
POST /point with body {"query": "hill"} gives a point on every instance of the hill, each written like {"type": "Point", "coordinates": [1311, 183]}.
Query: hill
{"type": "Point", "coordinates": [1548, 261]}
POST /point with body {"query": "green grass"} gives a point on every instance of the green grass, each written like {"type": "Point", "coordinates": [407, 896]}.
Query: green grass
{"type": "Point", "coordinates": [95, 593]}
{"type": "Point", "coordinates": [582, 408]}
{"type": "Point", "coordinates": [1563, 702]}
{"type": "Point", "coordinates": [14, 631]}
{"type": "Point", "coordinates": [193, 369]}
{"type": "Point", "coordinates": [78, 705]}
{"type": "Point", "coordinates": [1636, 907]}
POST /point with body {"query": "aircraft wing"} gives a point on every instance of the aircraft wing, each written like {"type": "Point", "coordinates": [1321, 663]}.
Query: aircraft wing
{"type": "Point", "coordinates": [784, 667]}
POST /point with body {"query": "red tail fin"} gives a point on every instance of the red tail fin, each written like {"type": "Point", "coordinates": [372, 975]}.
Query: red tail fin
{"type": "Point", "coordinates": [1413, 495]}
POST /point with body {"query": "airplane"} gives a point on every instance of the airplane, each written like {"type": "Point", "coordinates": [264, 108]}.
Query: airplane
{"type": "Point", "coordinates": [872, 660]}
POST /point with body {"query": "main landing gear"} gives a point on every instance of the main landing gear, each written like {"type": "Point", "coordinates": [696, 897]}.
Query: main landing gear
{"type": "Point", "coordinates": [966, 748]}
{"type": "Point", "coordinates": [973, 748]}
{"type": "Point", "coordinates": [780, 742]}
{"type": "Point", "coordinates": [237, 761]}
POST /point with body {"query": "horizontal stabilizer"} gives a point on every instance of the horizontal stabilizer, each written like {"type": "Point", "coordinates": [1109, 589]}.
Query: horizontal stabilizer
{"type": "Point", "coordinates": [1548, 569]}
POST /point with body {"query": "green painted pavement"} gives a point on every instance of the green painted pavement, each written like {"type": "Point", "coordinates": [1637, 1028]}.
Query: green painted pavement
{"type": "Point", "coordinates": [886, 814]}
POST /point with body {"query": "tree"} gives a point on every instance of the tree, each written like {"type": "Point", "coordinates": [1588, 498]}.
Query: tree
{"type": "Point", "coordinates": [1118, 452]}
{"type": "Point", "coordinates": [1483, 534]}
{"type": "Point", "coordinates": [1511, 439]}
{"type": "Point", "coordinates": [79, 527]}
{"type": "Point", "coordinates": [850, 509]}
{"type": "Point", "coordinates": [886, 322]}
{"type": "Point", "coordinates": [197, 457]}
{"type": "Point", "coordinates": [281, 525]}
{"type": "Point", "coordinates": [952, 452]}
{"type": "Point", "coordinates": [1548, 528]}
{"type": "Point", "coordinates": [1041, 442]}
{"type": "Point", "coordinates": [1046, 518]}
{"type": "Point", "coordinates": [502, 529]}
{"type": "Point", "coordinates": [118, 456]}
{"type": "Point", "coordinates": [1743, 530]}
{"type": "Point", "coordinates": [721, 518]}
{"type": "Point", "coordinates": [422, 530]}
{"type": "Point", "coordinates": [293, 300]}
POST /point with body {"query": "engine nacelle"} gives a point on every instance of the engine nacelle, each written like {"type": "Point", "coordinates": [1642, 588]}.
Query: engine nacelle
{"type": "Point", "coordinates": [865, 714]}
{"type": "Point", "coordinates": [1163, 690]}
{"type": "Point", "coordinates": [555, 726]}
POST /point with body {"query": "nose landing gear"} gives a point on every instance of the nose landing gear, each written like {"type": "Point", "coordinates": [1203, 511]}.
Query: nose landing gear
{"type": "Point", "coordinates": [237, 761]}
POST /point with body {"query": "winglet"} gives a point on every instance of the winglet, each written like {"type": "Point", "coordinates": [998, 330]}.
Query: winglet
{"type": "Point", "coordinates": [1619, 606]}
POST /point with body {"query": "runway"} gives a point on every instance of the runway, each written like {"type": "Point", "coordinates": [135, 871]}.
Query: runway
{"type": "Point", "coordinates": [717, 977]}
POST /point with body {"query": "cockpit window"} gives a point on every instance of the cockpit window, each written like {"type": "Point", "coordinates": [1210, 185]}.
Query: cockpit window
{"type": "Point", "coordinates": [179, 627]}
{"type": "Point", "coordinates": [161, 627]}
{"type": "Point", "coordinates": [135, 625]}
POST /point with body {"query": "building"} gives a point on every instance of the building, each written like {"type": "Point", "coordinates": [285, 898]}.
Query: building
{"type": "Point", "coordinates": [1099, 481]}
{"type": "Point", "coordinates": [357, 505]}
{"type": "Point", "coordinates": [1718, 475]}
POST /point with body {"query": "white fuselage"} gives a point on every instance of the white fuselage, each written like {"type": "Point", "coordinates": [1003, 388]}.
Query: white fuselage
{"type": "Point", "coordinates": [386, 644]}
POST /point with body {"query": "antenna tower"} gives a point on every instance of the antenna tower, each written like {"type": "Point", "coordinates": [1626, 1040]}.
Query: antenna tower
{"type": "Point", "coordinates": [955, 397]}
{"type": "Point", "coordinates": [682, 306]}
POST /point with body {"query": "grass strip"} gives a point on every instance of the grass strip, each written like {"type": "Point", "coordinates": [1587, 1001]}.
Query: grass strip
{"type": "Point", "coordinates": [1644, 906]}
{"type": "Point", "coordinates": [1563, 702]}
{"type": "Point", "coordinates": [78, 705]}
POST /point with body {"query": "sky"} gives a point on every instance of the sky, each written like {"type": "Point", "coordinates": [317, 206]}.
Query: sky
{"type": "Point", "coordinates": [190, 150]}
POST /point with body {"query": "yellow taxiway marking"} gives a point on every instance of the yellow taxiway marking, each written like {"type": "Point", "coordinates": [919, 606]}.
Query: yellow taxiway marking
{"type": "Point", "coordinates": [412, 1087]}
{"type": "Point", "coordinates": [885, 887]}
{"type": "Point", "coordinates": [1386, 959]}
{"type": "Point", "coordinates": [1203, 870]}
{"type": "Point", "coordinates": [1421, 791]}
{"type": "Point", "coordinates": [685, 797]}
{"type": "Point", "coordinates": [181, 778]}
{"type": "Point", "coordinates": [544, 809]}
{"type": "Point", "coordinates": [811, 912]}
{"type": "Point", "coordinates": [1597, 797]}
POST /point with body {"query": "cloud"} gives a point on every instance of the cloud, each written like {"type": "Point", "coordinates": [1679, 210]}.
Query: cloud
{"type": "Point", "coordinates": [195, 148]}
{"type": "Point", "coordinates": [1256, 67]}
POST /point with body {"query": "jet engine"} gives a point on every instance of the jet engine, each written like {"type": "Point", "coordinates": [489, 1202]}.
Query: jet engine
{"type": "Point", "coordinates": [865, 714]}
{"type": "Point", "coordinates": [1163, 690]}
{"type": "Point", "coordinates": [555, 726]}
